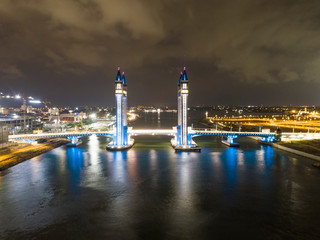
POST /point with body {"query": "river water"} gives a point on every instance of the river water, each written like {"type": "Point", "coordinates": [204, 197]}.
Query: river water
{"type": "Point", "coordinates": [151, 192]}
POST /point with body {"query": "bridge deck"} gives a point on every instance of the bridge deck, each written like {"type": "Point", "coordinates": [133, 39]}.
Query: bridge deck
{"type": "Point", "coordinates": [61, 134]}
{"type": "Point", "coordinates": [168, 132]}
{"type": "Point", "coordinates": [228, 133]}
{"type": "Point", "coordinates": [135, 132]}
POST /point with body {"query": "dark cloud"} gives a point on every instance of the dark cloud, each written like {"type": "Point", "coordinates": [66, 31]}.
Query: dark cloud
{"type": "Point", "coordinates": [230, 47]}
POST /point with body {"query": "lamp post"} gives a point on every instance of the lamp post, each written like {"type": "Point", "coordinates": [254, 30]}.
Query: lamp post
{"type": "Point", "coordinates": [24, 105]}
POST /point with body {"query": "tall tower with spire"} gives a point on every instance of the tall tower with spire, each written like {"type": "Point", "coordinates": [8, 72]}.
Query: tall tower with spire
{"type": "Point", "coordinates": [120, 138]}
{"type": "Point", "coordinates": [182, 128]}
{"type": "Point", "coordinates": [124, 111]}
{"type": "Point", "coordinates": [119, 109]}
{"type": "Point", "coordinates": [179, 101]}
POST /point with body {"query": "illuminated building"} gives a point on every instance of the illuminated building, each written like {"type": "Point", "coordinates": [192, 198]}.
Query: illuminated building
{"type": "Point", "coordinates": [120, 137]}
{"type": "Point", "coordinates": [182, 128]}
{"type": "Point", "coordinates": [3, 135]}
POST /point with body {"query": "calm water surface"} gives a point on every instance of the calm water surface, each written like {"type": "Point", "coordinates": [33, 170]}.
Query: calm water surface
{"type": "Point", "coordinates": [151, 192]}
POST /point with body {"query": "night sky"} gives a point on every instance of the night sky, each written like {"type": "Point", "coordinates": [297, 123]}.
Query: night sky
{"type": "Point", "coordinates": [246, 52]}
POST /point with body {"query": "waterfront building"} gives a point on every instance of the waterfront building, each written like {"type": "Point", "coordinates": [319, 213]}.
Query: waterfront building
{"type": "Point", "coordinates": [3, 135]}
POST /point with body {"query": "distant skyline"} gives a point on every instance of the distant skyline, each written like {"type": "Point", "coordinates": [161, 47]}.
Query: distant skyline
{"type": "Point", "coordinates": [244, 52]}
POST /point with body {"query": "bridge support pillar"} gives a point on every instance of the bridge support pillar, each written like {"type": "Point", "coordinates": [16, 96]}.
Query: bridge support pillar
{"type": "Point", "coordinates": [278, 135]}
{"type": "Point", "coordinates": [230, 141]}
{"type": "Point", "coordinates": [75, 141]}
{"type": "Point", "coordinates": [267, 140]}
{"type": "Point", "coordinates": [30, 141]}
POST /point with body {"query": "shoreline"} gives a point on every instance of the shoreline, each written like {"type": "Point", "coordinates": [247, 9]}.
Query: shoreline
{"type": "Point", "coordinates": [27, 152]}
{"type": "Point", "coordinates": [304, 148]}
{"type": "Point", "coordinates": [23, 152]}
{"type": "Point", "coordinates": [297, 152]}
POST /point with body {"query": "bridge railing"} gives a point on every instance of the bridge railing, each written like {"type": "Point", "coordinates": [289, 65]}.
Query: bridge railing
{"type": "Point", "coordinates": [135, 132]}
{"type": "Point", "coordinates": [204, 129]}
{"type": "Point", "coordinates": [59, 134]}
{"type": "Point", "coordinates": [213, 131]}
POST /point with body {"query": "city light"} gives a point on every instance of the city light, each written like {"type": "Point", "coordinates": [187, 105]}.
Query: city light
{"type": "Point", "coordinates": [132, 116]}
{"type": "Point", "coordinates": [35, 101]}
{"type": "Point", "coordinates": [93, 116]}
{"type": "Point", "coordinates": [237, 156]}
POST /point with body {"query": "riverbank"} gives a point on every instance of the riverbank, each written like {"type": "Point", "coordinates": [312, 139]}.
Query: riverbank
{"type": "Point", "coordinates": [305, 148]}
{"type": "Point", "coordinates": [23, 152]}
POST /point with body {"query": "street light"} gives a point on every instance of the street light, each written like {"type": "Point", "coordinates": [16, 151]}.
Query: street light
{"type": "Point", "coordinates": [93, 116]}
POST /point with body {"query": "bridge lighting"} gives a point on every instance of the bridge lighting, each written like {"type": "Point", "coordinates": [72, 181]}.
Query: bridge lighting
{"type": "Point", "coordinates": [35, 101]}
{"type": "Point", "coordinates": [17, 96]}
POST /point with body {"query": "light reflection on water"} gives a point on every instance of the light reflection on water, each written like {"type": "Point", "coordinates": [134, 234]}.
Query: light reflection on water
{"type": "Point", "coordinates": [152, 192]}
{"type": "Point", "coordinates": [119, 168]}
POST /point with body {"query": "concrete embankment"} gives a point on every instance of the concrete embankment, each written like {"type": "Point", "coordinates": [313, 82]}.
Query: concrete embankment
{"type": "Point", "coordinates": [305, 148]}
{"type": "Point", "coordinates": [22, 153]}
{"type": "Point", "coordinates": [300, 153]}
{"type": "Point", "coordinates": [12, 147]}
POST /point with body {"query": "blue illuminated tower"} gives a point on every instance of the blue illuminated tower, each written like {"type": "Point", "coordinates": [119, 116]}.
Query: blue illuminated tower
{"type": "Point", "coordinates": [120, 138]}
{"type": "Point", "coordinates": [182, 128]}
{"type": "Point", "coordinates": [179, 101]}
{"type": "Point", "coordinates": [124, 111]}
{"type": "Point", "coordinates": [119, 109]}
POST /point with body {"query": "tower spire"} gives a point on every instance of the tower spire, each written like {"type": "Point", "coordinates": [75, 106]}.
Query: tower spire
{"type": "Point", "coordinates": [118, 75]}
{"type": "Point", "coordinates": [123, 78]}
{"type": "Point", "coordinates": [184, 76]}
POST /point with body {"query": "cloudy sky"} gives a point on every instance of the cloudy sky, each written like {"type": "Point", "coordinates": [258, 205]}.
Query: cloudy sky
{"type": "Point", "coordinates": [236, 52]}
